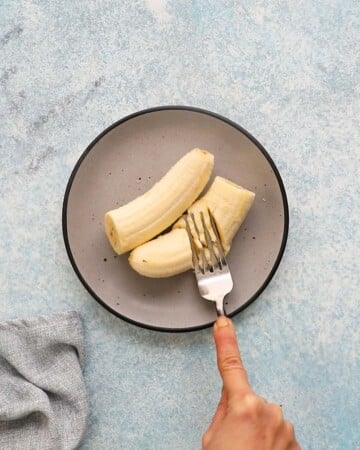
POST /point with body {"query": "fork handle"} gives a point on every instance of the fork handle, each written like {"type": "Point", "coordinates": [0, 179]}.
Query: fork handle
{"type": "Point", "coordinates": [220, 309]}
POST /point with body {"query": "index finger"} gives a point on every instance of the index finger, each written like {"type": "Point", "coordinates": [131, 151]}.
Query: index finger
{"type": "Point", "coordinates": [229, 361]}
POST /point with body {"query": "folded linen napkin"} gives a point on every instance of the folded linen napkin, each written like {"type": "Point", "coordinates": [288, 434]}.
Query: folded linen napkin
{"type": "Point", "coordinates": [43, 403]}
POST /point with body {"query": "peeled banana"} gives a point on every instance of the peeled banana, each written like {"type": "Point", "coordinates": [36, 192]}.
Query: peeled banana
{"type": "Point", "coordinates": [170, 253]}
{"type": "Point", "coordinates": [148, 215]}
{"type": "Point", "coordinates": [167, 255]}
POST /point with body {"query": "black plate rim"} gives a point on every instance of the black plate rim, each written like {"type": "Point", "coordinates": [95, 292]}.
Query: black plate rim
{"type": "Point", "coordinates": [149, 111]}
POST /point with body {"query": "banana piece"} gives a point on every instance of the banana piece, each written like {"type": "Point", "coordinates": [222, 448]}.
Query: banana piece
{"type": "Point", "coordinates": [229, 204]}
{"type": "Point", "coordinates": [170, 253]}
{"type": "Point", "coordinates": [148, 215]}
{"type": "Point", "coordinates": [167, 255]}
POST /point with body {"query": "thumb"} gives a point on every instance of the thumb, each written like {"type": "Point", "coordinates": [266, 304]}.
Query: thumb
{"type": "Point", "coordinates": [231, 368]}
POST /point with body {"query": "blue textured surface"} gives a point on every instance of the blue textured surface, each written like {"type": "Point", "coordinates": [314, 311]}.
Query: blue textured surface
{"type": "Point", "coordinates": [286, 71]}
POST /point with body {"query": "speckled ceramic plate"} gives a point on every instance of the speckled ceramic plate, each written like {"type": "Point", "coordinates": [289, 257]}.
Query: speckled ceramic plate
{"type": "Point", "coordinates": [123, 162]}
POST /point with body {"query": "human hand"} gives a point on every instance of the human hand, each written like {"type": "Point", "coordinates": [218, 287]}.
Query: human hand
{"type": "Point", "coordinates": [243, 420]}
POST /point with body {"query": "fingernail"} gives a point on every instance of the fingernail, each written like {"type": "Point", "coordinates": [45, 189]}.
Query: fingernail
{"type": "Point", "coordinates": [222, 322]}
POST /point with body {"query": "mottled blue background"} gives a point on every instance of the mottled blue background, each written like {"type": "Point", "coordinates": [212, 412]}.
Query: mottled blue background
{"type": "Point", "coordinates": [288, 71]}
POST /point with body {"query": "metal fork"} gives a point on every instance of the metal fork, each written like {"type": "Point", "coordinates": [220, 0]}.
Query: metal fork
{"type": "Point", "coordinates": [212, 271]}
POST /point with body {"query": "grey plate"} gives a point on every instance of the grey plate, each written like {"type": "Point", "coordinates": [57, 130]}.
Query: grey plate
{"type": "Point", "coordinates": [122, 163]}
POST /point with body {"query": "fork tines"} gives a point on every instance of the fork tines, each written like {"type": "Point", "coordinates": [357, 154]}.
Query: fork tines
{"type": "Point", "coordinates": [214, 258]}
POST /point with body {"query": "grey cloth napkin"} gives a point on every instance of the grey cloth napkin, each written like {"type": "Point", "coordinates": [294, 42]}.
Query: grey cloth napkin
{"type": "Point", "coordinates": [43, 403]}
